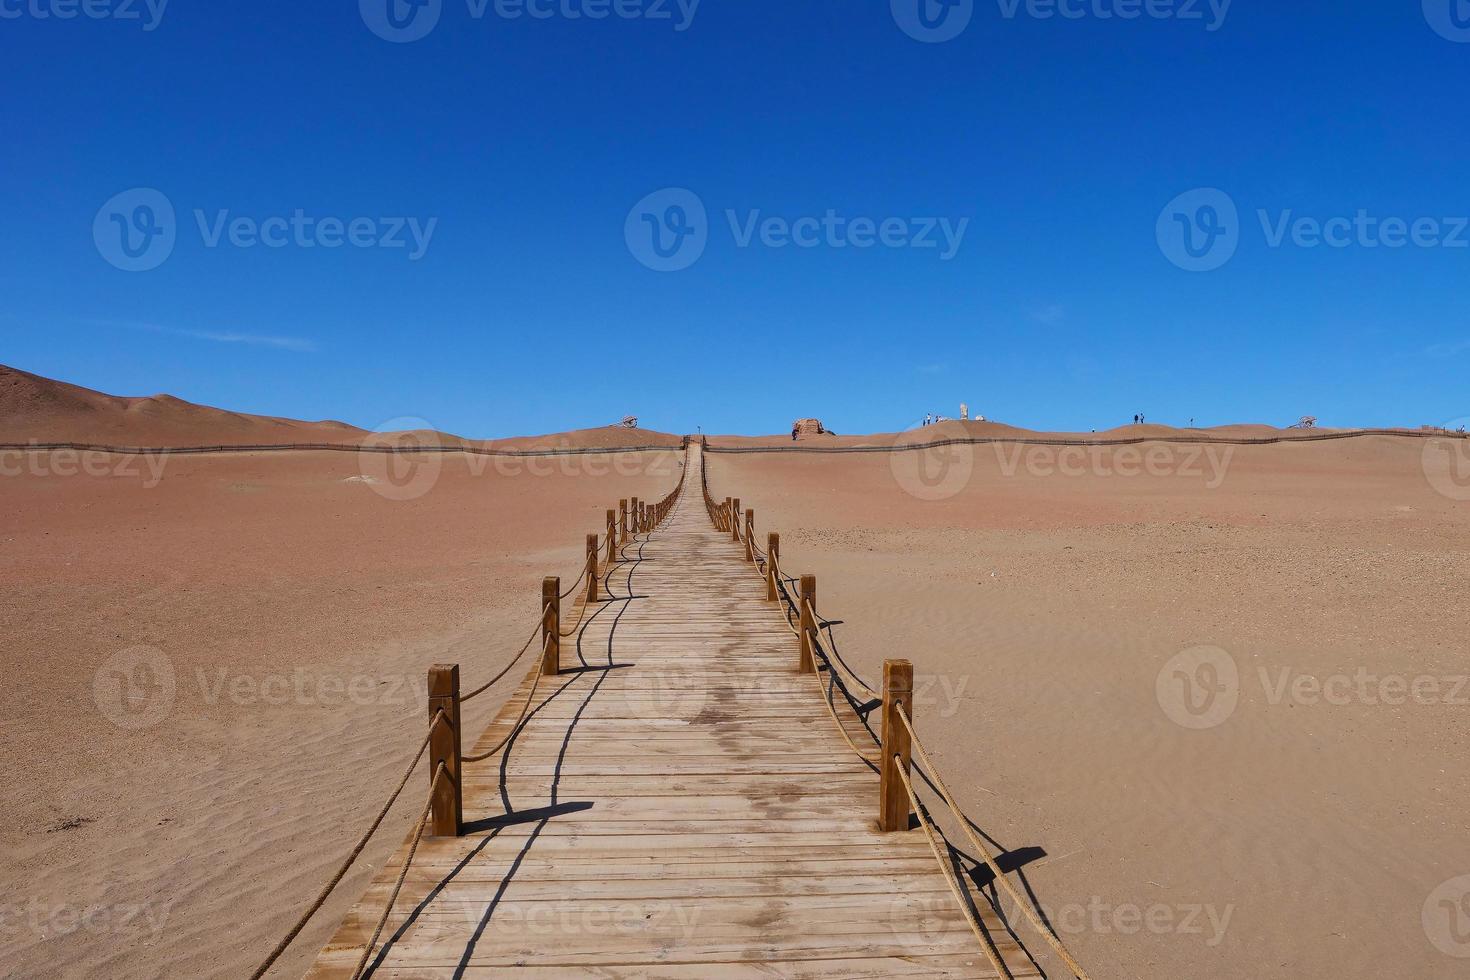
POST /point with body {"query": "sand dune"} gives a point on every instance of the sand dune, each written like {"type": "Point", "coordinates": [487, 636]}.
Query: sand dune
{"type": "Point", "coordinates": [37, 409]}
{"type": "Point", "coordinates": [1044, 610]}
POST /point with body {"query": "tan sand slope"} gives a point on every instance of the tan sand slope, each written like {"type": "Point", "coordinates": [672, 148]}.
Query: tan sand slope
{"type": "Point", "coordinates": [174, 821]}
{"type": "Point", "coordinates": [1308, 827]}
{"type": "Point", "coordinates": [37, 409]}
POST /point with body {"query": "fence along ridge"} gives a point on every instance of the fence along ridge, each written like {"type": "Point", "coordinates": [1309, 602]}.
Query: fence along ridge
{"type": "Point", "coordinates": [1131, 441]}
{"type": "Point", "coordinates": [335, 447]}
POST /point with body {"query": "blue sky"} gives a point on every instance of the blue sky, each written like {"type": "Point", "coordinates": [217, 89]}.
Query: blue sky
{"type": "Point", "coordinates": [524, 145]}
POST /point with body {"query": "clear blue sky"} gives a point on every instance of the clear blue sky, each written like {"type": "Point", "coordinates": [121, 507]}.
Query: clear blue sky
{"type": "Point", "coordinates": [1060, 140]}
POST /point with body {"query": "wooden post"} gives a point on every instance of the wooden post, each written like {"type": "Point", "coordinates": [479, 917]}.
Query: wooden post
{"type": "Point", "coordinates": [551, 626]}
{"type": "Point", "coordinates": [637, 509]}
{"type": "Point", "coordinates": [735, 519]}
{"type": "Point", "coordinates": [773, 555]}
{"type": "Point", "coordinates": [750, 536]}
{"type": "Point", "coordinates": [725, 516]}
{"type": "Point", "coordinates": [623, 509]}
{"type": "Point", "coordinates": [612, 536]}
{"type": "Point", "coordinates": [446, 816]}
{"type": "Point", "coordinates": [592, 575]}
{"type": "Point", "coordinates": [898, 695]}
{"type": "Point", "coordinates": [808, 624]}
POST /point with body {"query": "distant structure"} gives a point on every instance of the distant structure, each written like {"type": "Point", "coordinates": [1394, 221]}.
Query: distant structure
{"type": "Point", "coordinates": [629, 422]}
{"type": "Point", "coordinates": [809, 427]}
{"type": "Point", "coordinates": [1306, 422]}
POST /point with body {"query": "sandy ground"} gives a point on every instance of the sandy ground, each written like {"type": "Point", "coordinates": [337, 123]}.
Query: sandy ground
{"type": "Point", "coordinates": [1123, 663]}
{"type": "Point", "coordinates": [215, 678]}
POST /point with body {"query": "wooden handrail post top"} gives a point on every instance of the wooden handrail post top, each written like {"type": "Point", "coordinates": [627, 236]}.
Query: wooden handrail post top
{"type": "Point", "coordinates": [897, 746]}
{"type": "Point", "coordinates": [592, 572]}
{"type": "Point", "coordinates": [446, 808]}
{"type": "Point", "coordinates": [808, 627]}
{"type": "Point", "coordinates": [551, 625]}
{"type": "Point", "coordinates": [773, 571]}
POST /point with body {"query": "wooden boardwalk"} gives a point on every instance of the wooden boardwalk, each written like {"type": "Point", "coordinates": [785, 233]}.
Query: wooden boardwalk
{"type": "Point", "coordinates": [682, 806]}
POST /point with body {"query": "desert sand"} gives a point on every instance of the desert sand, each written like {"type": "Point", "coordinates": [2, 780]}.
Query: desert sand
{"type": "Point", "coordinates": [176, 827]}
{"type": "Point", "coordinates": [1299, 835]}
{"type": "Point", "coordinates": [289, 603]}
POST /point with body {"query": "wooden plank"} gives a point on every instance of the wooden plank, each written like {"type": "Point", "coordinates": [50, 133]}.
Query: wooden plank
{"type": "Point", "coordinates": [683, 807]}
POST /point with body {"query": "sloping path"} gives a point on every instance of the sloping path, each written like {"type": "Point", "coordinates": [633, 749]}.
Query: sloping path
{"type": "Point", "coordinates": [682, 806]}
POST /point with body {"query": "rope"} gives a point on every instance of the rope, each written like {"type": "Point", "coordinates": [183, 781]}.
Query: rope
{"type": "Point", "coordinates": [342, 871]}
{"type": "Point", "coordinates": [418, 835]}
{"type": "Point", "coordinates": [514, 729]}
{"type": "Point", "coordinates": [569, 591]}
{"type": "Point", "coordinates": [580, 616]}
{"type": "Point", "coordinates": [990, 951]}
{"type": "Point", "coordinates": [1031, 916]}
{"type": "Point", "coordinates": [526, 646]}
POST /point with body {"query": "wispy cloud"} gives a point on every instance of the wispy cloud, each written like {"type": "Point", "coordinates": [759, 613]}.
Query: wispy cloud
{"type": "Point", "coordinates": [298, 344]}
{"type": "Point", "coordinates": [1448, 349]}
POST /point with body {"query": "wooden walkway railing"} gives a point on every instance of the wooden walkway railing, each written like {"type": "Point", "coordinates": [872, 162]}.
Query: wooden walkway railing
{"type": "Point", "coordinates": [672, 791]}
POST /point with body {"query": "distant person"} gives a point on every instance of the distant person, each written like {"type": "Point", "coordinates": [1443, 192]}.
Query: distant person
{"type": "Point", "coordinates": [927, 418]}
{"type": "Point", "coordinates": [794, 430]}
{"type": "Point", "coordinates": [1137, 418]}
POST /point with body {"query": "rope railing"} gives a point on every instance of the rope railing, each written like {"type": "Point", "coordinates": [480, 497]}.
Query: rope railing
{"type": "Point", "coordinates": [321, 898]}
{"type": "Point", "coordinates": [443, 810]}
{"type": "Point", "coordinates": [796, 596]}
